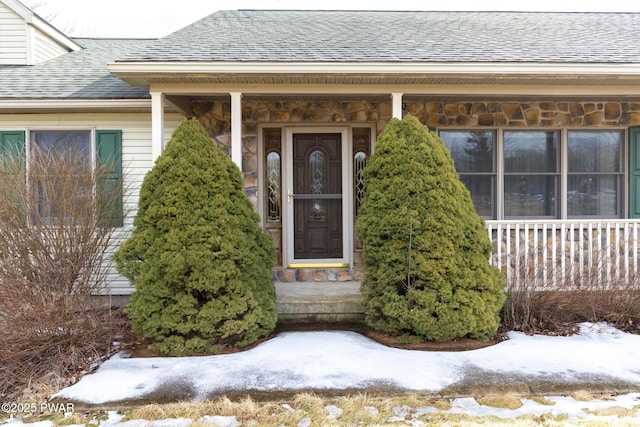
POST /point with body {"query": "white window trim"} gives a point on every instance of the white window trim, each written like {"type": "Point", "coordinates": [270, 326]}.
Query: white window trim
{"type": "Point", "coordinates": [28, 142]}
{"type": "Point", "coordinates": [90, 129]}
{"type": "Point", "coordinates": [623, 196]}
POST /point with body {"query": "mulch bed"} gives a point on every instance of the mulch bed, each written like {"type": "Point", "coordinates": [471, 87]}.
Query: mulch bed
{"type": "Point", "coordinates": [461, 344]}
{"type": "Point", "coordinates": [142, 348]}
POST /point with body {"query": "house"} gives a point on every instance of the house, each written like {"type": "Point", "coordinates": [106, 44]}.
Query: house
{"type": "Point", "coordinates": [540, 112]}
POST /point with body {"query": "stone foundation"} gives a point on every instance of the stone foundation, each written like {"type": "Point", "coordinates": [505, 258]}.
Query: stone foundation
{"type": "Point", "coordinates": [318, 274]}
{"type": "Point", "coordinates": [539, 114]}
{"type": "Point", "coordinates": [216, 118]}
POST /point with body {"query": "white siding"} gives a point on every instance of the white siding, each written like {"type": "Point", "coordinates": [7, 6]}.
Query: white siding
{"type": "Point", "coordinates": [45, 48]}
{"type": "Point", "coordinates": [13, 38]}
{"type": "Point", "coordinates": [136, 154]}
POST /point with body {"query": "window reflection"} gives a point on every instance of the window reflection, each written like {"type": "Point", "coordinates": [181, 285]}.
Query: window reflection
{"type": "Point", "coordinates": [474, 157]}
{"type": "Point", "coordinates": [595, 173]}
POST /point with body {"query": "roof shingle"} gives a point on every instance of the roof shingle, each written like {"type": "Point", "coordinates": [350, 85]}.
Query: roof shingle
{"type": "Point", "coordinates": [75, 75]}
{"type": "Point", "coordinates": [383, 36]}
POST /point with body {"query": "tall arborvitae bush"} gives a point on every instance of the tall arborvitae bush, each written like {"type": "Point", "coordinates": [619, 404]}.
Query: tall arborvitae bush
{"type": "Point", "coordinates": [200, 263]}
{"type": "Point", "coordinates": [426, 251]}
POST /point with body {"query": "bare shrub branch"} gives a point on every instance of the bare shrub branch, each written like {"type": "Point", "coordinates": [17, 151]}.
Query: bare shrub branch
{"type": "Point", "coordinates": [55, 239]}
{"type": "Point", "coordinates": [598, 291]}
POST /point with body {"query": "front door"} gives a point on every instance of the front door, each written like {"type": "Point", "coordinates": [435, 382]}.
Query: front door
{"type": "Point", "coordinates": [317, 196]}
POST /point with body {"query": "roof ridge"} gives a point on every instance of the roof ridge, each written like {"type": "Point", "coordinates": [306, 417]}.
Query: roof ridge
{"type": "Point", "coordinates": [433, 11]}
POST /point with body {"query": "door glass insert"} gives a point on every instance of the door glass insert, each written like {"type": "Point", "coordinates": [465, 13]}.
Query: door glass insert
{"type": "Point", "coordinates": [317, 196]}
{"type": "Point", "coordinates": [273, 186]}
{"type": "Point", "coordinates": [316, 169]}
{"type": "Point", "coordinates": [359, 162]}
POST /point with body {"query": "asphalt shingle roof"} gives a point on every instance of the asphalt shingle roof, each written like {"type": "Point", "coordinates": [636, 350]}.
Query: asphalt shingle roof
{"type": "Point", "coordinates": [76, 75]}
{"type": "Point", "coordinates": [363, 36]}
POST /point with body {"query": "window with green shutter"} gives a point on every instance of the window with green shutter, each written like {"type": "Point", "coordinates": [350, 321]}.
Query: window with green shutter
{"type": "Point", "coordinates": [634, 172]}
{"type": "Point", "coordinates": [109, 155]}
{"type": "Point", "coordinates": [12, 142]}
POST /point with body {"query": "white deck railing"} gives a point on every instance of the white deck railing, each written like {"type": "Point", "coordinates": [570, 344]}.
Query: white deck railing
{"type": "Point", "coordinates": [566, 253]}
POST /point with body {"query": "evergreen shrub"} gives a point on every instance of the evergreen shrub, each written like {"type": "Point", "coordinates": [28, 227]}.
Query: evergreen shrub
{"type": "Point", "coordinates": [426, 251]}
{"type": "Point", "coordinates": [199, 261]}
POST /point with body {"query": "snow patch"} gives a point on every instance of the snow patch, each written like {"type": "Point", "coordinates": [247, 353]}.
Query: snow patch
{"type": "Point", "coordinates": [347, 360]}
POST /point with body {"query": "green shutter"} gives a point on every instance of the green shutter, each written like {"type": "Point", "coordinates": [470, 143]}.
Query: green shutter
{"type": "Point", "coordinates": [12, 142]}
{"type": "Point", "coordinates": [634, 172]}
{"type": "Point", "coordinates": [109, 153]}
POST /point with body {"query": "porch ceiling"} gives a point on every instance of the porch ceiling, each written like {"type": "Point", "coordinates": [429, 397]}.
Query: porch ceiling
{"type": "Point", "coordinates": [406, 98]}
{"type": "Point", "coordinates": [136, 79]}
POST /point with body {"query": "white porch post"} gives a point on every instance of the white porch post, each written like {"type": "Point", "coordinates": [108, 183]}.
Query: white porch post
{"type": "Point", "coordinates": [396, 102]}
{"type": "Point", "coordinates": [236, 128]}
{"type": "Point", "coordinates": [157, 124]}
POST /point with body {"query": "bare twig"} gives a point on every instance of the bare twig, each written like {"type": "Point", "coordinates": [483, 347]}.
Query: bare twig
{"type": "Point", "coordinates": [55, 248]}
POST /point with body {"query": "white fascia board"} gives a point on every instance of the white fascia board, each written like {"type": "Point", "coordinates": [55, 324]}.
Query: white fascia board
{"type": "Point", "coordinates": [32, 18]}
{"type": "Point", "coordinates": [376, 68]}
{"type": "Point", "coordinates": [55, 34]}
{"type": "Point", "coordinates": [20, 9]}
{"type": "Point", "coordinates": [65, 104]}
{"type": "Point", "coordinates": [407, 89]}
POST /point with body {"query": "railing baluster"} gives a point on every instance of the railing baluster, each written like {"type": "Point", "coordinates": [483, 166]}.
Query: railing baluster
{"type": "Point", "coordinates": [518, 256]}
{"type": "Point", "coordinates": [563, 276]}
{"type": "Point", "coordinates": [625, 243]}
{"type": "Point", "coordinates": [605, 252]}
{"type": "Point", "coordinates": [572, 252]}
{"type": "Point", "coordinates": [507, 251]}
{"type": "Point", "coordinates": [635, 249]}
{"type": "Point", "coordinates": [579, 251]}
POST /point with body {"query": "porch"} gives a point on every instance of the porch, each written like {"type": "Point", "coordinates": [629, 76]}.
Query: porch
{"type": "Point", "coordinates": [567, 254]}
{"type": "Point", "coordinates": [541, 255]}
{"type": "Point", "coordinates": [302, 156]}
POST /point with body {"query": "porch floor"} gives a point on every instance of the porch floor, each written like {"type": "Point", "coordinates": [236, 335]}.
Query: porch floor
{"type": "Point", "coordinates": [329, 301]}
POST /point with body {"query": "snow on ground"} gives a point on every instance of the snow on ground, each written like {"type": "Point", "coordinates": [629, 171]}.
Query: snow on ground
{"type": "Point", "coordinates": [346, 360]}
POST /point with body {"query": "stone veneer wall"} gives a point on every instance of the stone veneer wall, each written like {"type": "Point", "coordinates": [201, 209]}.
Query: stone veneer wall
{"type": "Point", "coordinates": [544, 114]}
{"type": "Point", "coordinates": [216, 118]}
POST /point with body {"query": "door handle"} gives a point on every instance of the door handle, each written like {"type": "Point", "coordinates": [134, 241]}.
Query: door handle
{"type": "Point", "coordinates": [288, 195]}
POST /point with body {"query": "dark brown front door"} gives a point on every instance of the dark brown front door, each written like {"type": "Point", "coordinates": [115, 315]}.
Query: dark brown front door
{"type": "Point", "coordinates": [317, 202]}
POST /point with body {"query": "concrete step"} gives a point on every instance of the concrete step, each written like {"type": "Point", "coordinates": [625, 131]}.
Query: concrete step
{"type": "Point", "coordinates": [353, 274]}
{"type": "Point", "coordinates": [319, 301]}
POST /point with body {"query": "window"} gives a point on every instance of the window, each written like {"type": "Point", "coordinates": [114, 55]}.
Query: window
{"type": "Point", "coordinates": [595, 173]}
{"type": "Point", "coordinates": [531, 173]}
{"type": "Point", "coordinates": [541, 173]}
{"type": "Point", "coordinates": [273, 186]}
{"type": "Point", "coordinates": [359, 163]}
{"type": "Point", "coordinates": [75, 148]}
{"type": "Point", "coordinates": [473, 155]}
{"type": "Point", "coordinates": [108, 152]}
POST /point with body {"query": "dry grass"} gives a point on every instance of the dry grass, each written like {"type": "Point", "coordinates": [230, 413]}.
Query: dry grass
{"type": "Point", "coordinates": [244, 409]}
{"type": "Point", "coordinates": [617, 411]}
{"type": "Point", "coordinates": [291, 411]}
{"type": "Point", "coordinates": [542, 400]}
{"type": "Point", "coordinates": [586, 396]}
{"type": "Point", "coordinates": [508, 401]}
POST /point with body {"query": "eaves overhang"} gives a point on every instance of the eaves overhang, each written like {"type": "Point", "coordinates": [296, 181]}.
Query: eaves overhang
{"type": "Point", "coordinates": [391, 73]}
{"type": "Point", "coordinates": [9, 106]}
